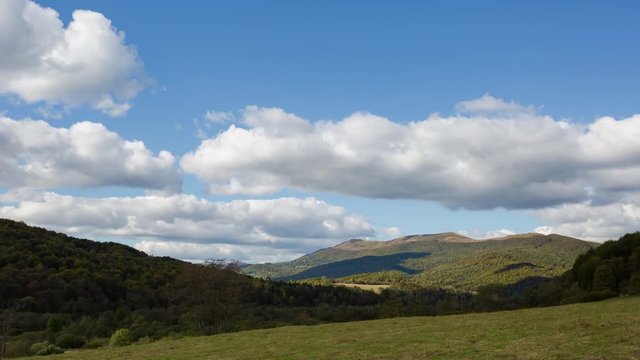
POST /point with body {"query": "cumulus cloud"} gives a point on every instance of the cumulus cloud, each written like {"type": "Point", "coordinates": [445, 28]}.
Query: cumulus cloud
{"type": "Point", "coordinates": [85, 63]}
{"type": "Point", "coordinates": [201, 252]}
{"type": "Point", "coordinates": [211, 118]}
{"type": "Point", "coordinates": [182, 225]}
{"type": "Point", "coordinates": [591, 221]}
{"type": "Point", "coordinates": [515, 159]}
{"type": "Point", "coordinates": [38, 155]}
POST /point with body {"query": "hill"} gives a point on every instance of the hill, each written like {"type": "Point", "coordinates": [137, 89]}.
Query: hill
{"type": "Point", "coordinates": [443, 260]}
{"type": "Point", "coordinates": [68, 293]}
{"type": "Point", "coordinates": [602, 330]}
{"type": "Point", "coordinates": [49, 272]}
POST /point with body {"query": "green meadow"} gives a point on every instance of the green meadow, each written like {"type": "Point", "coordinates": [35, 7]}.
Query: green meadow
{"type": "Point", "coordinates": [607, 329]}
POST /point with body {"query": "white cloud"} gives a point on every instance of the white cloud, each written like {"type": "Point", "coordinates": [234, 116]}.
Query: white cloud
{"type": "Point", "coordinates": [200, 252]}
{"type": "Point", "coordinates": [200, 133]}
{"type": "Point", "coordinates": [218, 117]}
{"type": "Point", "coordinates": [181, 225]}
{"type": "Point", "coordinates": [593, 222]}
{"type": "Point", "coordinates": [392, 232]}
{"type": "Point", "coordinates": [488, 104]}
{"type": "Point", "coordinates": [51, 112]}
{"type": "Point", "coordinates": [36, 154]}
{"type": "Point", "coordinates": [84, 63]}
{"type": "Point", "coordinates": [486, 234]}
{"type": "Point", "coordinates": [511, 160]}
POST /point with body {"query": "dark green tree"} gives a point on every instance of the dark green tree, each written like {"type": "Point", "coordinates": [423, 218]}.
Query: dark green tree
{"type": "Point", "coordinates": [634, 284]}
{"type": "Point", "coordinates": [210, 293]}
{"type": "Point", "coordinates": [604, 279]}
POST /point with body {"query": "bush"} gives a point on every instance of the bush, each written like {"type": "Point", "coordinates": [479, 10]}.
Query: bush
{"type": "Point", "coordinates": [120, 337]}
{"type": "Point", "coordinates": [54, 324]}
{"type": "Point", "coordinates": [96, 343]}
{"type": "Point", "coordinates": [37, 347]}
{"type": "Point", "coordinates": [45, 348]}
{"type": "Point", "coordinates": [17, 348]}
{"type": "Point", "coordinates": [69, 341]}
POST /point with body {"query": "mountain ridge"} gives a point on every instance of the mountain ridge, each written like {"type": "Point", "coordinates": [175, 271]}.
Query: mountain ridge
{"type": "Point", "coordinates": [364, 243]}
{"type": "Point", "coordinates": [446, 256]}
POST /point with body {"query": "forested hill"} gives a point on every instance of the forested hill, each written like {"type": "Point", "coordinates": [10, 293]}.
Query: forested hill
{"type": "Point", "coordinates": [51, 272]}
{"type": "Point", "coordinates": [443, 260]}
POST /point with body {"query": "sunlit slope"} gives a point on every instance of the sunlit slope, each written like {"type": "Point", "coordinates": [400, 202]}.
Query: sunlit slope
{"type": "Point", "coordinates": [446, 259]}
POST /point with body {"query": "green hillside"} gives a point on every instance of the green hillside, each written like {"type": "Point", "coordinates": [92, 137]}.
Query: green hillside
{"type": "Point", "coordinates": [353, 249]}
{"type": "Point", "coordinates": [48, 272]}
{"type": "Point", "coordinates": [602, 330]}
{"type": "Point", "coordinates": [443, 260]}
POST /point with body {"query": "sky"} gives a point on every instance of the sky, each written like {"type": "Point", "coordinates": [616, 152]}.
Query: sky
{"type": "Point", "coordinates": [261, 131]}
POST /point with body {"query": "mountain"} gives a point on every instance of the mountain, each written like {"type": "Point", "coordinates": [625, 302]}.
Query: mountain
{"type": "Point", "coordinates": [443, 260]}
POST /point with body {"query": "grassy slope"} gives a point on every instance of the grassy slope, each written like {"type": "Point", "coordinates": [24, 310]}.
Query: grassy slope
{"type": "Point", "coordinates": [349, 250]}
{"type": "Point", "coordinates": [465, 265]}
{"type": "Point", "coordinates": [601, 330]}
{"type": "Point", "coordinates": [493, 266]}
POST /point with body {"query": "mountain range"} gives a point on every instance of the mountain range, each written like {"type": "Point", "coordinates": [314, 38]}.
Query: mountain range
{"type": "Point", "coordinates": [443, 260]}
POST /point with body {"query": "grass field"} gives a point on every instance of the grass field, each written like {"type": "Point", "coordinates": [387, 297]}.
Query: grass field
{"type": "Point", "coordinates": [375, 288]}
{"type": "Point", "coordinates": [601, 330]}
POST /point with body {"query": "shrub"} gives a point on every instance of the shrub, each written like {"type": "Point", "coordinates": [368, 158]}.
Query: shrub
{"type": "Point", "coordinates": [16, 348]}
{"type": "Point", "coordinates": [54, 324]}
{"type": "Point", "coordinates": [45, 348]}
{"type": "Point", "coordinates": [96, 343]}
{"type": "Point", "coordinates": [120, 337]}
{"type": "Point", "coordinates": [35, 348]}
{"type": "Point", "coordinates": [69, 341]}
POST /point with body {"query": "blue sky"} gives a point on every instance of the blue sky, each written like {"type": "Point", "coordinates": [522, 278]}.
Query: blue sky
{"type": "Point", "coordinates": [524, 62]}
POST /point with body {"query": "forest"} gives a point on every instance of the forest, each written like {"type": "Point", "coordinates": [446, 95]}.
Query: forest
{"type": "Point", "coordinates": [58, 292]}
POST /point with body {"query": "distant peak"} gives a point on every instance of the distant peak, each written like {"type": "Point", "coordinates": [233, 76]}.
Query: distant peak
{"type": "Point", "coordinates": [360, 244]}
{"type": "Point", "coordinates": [448, 237]}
